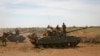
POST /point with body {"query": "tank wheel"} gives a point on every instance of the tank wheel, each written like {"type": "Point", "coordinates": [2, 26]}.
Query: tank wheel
{"type": "Point", "coordinates": [57, 45]}
{"type": "Point", "coordinates": [36, 46]}
{"type": "Point", "coordinates": [75, 44]}
{"type": "Point", "coordinates": [72, 44]}
{"type": "Point", "coordinates": [45, 45]}
{"type": "Point", "coordinates": [40, 46]}
{"type": "Point", "coordinates": [63, 45]}
{"type": "Point", "coordinates": [66, 44]}
{"type": "Point", "coordinates": [51, 45]}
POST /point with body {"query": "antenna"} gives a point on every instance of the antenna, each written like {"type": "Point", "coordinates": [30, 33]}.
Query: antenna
{"type": "Point", "coordinates": [49, 21]}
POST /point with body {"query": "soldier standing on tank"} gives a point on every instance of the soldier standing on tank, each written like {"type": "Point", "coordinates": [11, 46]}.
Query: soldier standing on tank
{"type": "Point", "coordinates": [10, 32]}
{"type": "Point", "coordinates": [49, 30]}
{"type": "Point", "coordinates": [58, 28]}
{"type": "Point", "coordinates": [64, 28]}
{"type": "Point", "coordinates": [17, 31]}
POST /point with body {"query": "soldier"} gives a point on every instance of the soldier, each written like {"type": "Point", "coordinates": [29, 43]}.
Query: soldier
{"type": "Point", "coordinates": [10, 33]}
{"type": "Point", "coordinates": [58, 28]}
{"type": "Point", "coordinates": [48, 26]}
{"type": "Point", "coordinates": [45, 33]}
{"type": "Point", "coordinates": [49, 30]}
{"type": "Point", "coordinates": [17, 31]}
{"type": "Point", "coordinates": [4, 39]}
{"type": "Point", "coordinates": [64, 28]}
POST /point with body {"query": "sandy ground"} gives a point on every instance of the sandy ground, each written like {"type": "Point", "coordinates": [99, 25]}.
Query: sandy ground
{"type": "Point", "coordinates": [26, 49]}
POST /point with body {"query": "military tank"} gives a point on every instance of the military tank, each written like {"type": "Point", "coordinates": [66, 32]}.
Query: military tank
{"type": "Point", "coordinates": [15, 37]}
{"type": "Point", "coordinates": [55, 40]}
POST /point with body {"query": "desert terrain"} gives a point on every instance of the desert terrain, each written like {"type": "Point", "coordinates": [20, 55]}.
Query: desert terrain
{"type": "Point", "coordinates": [88, 46]}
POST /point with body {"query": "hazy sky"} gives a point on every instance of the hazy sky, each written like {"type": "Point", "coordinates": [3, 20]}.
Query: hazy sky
{"type": "Point", "coordinates": [35, 13]}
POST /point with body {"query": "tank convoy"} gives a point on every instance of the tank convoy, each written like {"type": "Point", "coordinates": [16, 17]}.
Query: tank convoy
{"type": "Point", "coordinates": [56, 39]}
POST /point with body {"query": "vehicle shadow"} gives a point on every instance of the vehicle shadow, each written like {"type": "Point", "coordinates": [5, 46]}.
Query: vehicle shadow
{"type": "Point", "coordinates": [68, 47]}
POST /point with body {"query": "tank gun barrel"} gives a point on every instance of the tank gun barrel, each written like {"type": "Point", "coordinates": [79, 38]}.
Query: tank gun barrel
{"type": "Point", "coordinates": [77, 30]}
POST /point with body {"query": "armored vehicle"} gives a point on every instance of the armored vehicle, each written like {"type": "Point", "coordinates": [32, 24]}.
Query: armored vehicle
{"type": "Point", "coordinates": [55, 40]}
{"type": "Point", "coordinates": [16, 38]}
{"type": "Point", "coordinates": [13, 37]}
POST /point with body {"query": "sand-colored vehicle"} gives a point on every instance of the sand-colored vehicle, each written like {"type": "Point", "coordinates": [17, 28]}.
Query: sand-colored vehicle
{"type": "Point", "coordinates": [55, 40]}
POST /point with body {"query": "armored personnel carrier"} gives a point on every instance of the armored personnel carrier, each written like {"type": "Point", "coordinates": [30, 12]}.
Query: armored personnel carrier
{"type": "Point", "coordinates": [55, 40]}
